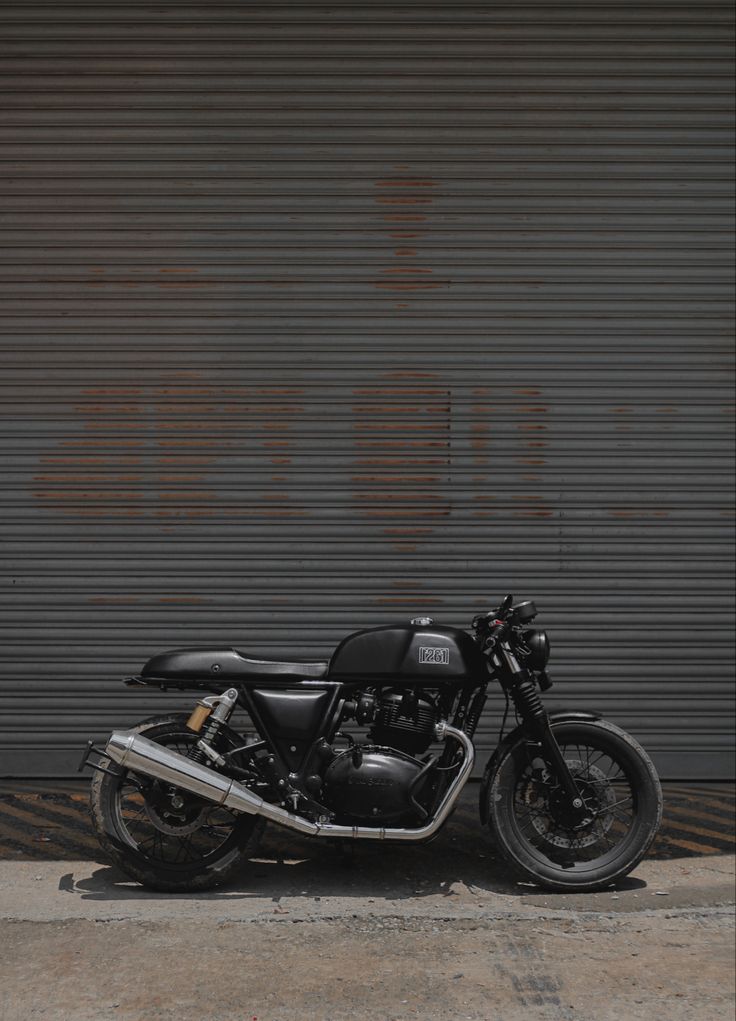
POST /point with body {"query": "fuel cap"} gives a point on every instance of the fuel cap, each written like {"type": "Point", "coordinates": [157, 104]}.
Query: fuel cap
{"type": "Point", "coordinates": [421, 621]}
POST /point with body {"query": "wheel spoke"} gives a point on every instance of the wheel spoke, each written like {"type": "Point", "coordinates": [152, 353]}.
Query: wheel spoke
{"type": "Point", "coordinates": [185, 844]}
{"type": "Point", "coordinates": [625, 820]}
{"type": "Point", "coordinates": [609, 808]}
{"type": "Point", "coordinates": [540, 808]}
{"type": "Point", "coordinates": [207, 827]}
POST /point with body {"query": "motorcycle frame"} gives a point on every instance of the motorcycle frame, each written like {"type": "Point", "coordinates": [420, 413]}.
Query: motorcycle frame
{"type": "Point", "coordinates": [452, 695]}
{"type": "Point", "coordinates": [462, 699]}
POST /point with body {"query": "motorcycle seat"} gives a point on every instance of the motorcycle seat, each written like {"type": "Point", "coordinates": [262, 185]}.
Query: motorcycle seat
{"type": "Point", "coordinates": [212, 668]}
{"type": "Point", "coordinates": [311, 670]}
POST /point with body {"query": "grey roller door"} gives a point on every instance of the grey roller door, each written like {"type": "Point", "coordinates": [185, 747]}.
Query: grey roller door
{"type": "Point", "coordinates": [316, 317]}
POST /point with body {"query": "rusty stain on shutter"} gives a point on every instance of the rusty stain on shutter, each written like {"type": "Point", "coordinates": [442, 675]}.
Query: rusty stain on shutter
{"type": "Point", "coordinates": [314, 317]}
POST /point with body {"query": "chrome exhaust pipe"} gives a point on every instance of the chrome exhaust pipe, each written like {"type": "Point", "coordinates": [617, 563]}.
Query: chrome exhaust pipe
{"type": "Point", "coordinates": [140, 755]}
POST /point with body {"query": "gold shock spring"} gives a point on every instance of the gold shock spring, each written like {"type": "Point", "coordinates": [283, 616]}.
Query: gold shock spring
{"type": "Point", "coordinates": [199, 716]}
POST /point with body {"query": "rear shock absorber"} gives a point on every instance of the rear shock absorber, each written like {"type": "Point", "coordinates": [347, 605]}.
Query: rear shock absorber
{"type": "Point", "coordinates": [207, 717]}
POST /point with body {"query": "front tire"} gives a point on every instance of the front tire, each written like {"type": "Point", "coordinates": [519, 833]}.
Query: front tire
{"type": "Point", "coordinates": [526, 812]}
{"type": "Point", "coordinates": [196, 847]}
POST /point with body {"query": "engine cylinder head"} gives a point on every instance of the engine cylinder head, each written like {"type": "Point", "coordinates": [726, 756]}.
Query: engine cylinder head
{"type": "Point", "coordinates": [408, 726]}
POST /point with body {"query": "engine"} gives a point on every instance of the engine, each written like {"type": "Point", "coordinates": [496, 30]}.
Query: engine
{"type": "Point", "coordinates": [405, 721]}
{"type": "Point", "coordinates": [371, 783]}
{"type": "Point", "coordinates": [382, 781]}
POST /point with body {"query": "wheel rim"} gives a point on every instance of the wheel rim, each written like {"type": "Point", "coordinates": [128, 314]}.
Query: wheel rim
{"type": "Point", "coordinates": [168, 835]}
{"type": "Point", "coordinates": [609, 792]}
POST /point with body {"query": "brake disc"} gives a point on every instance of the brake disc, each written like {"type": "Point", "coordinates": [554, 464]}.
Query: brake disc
{"type": "Point", "coordinates": [597, 794]}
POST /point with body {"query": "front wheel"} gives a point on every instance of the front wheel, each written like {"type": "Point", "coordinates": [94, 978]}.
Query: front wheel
{"type": "Point", "coordinates": [164, 837]}
{"type": "Point", "coordinates": [527, 811]}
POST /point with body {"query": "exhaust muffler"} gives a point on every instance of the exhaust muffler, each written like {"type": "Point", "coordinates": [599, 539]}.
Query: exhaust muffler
{"type": "Point", "coordinates": [140, 755]}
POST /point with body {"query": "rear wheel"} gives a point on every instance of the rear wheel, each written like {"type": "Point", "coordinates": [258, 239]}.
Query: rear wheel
{"type": "Point", "coordinates": [162, 836]}
{"type": "Point", "coordinates": [529, 817]}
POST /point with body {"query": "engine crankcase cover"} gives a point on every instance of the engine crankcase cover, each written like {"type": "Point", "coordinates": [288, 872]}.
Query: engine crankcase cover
{"type": "Point", "coordinates": [377, 789]}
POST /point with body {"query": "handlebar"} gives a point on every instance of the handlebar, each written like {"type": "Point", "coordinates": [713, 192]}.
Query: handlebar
{"type": "Point", "coordinates": [494, 636]}
{"type": "Point", "coordinates": [498, 616]}
{"type": "Point", "coordinates": [491, 627]}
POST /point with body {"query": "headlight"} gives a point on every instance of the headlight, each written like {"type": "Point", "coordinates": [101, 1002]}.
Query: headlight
{"type": "Point", "coordinates": [538, 644]}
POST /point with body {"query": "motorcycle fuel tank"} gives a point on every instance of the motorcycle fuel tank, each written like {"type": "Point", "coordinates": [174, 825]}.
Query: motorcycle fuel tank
{"type": "Point", "coordinates": [407, 651]}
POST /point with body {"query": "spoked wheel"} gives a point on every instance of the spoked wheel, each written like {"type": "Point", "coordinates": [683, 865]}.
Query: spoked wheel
{"type": "Point", "coordinates": [161, 835]}
{"type": "Point", "coordinates": [548, 844]}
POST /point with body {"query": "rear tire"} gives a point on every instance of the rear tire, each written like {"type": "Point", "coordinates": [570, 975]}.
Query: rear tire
{"type": "Point", "coordinates": [615, 777]}
{"type": "Point", "coordinates": [204, 848]}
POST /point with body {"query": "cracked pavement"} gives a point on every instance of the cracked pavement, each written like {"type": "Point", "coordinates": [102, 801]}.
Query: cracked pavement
{"type": "Point", "coordinates": [393, 933]}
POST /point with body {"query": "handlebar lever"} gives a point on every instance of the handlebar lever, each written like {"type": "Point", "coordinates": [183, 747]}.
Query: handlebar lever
{"type": "Point", "coordinates": [494, 636]}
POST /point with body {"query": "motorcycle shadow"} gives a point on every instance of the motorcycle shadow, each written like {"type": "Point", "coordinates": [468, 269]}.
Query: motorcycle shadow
{"type": "Point", "coordinates": [459, 863]}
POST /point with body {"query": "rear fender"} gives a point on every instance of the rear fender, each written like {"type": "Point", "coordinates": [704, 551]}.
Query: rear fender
{"type": "Point", "coordinates": [562, 716]}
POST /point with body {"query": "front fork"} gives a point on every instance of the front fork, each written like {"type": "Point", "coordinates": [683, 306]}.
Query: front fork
{"type": "Point", "coordinates": [522, 688]}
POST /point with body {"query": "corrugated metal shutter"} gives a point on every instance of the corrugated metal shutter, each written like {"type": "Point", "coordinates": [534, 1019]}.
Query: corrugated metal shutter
{"type": "Point", "coordinates": [316, 317]}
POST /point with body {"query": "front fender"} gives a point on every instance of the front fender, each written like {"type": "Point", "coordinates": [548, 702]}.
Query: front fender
{"type": "Point", "coordinates": [561, 716]}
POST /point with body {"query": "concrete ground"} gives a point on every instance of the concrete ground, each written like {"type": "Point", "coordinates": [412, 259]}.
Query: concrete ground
{"type": "Point", "coordinates": [440, 931]}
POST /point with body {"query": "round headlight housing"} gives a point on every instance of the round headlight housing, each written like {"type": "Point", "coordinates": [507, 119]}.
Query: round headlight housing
{"type": "Point", "coordinates": [538, 644]}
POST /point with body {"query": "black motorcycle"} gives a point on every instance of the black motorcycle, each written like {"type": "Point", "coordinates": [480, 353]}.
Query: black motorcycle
{"type": "Point", "coordinates": [375, 744]}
